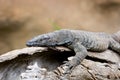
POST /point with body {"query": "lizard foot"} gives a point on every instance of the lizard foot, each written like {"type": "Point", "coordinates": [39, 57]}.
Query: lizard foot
{"type": "Point", "coordinates": [67, 67]}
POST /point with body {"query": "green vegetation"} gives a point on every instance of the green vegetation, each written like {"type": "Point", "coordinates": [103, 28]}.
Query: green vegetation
{"type": "Point", "coordinates": [55, 25]}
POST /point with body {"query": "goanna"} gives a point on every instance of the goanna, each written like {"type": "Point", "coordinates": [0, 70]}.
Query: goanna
{"type": "Point", "coordinates": [79, 41]}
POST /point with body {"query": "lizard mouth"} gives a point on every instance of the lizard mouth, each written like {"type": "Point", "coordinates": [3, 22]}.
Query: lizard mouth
{"type": "Point", "coordinates": [33, 44]}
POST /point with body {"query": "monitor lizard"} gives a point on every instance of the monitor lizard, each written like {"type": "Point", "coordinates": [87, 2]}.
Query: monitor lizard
{"type": "Point", "coordinates": [79, 41]}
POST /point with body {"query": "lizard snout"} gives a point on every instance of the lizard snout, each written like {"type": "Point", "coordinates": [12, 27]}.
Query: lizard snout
{"type": "Point", "coordinates": [29, 44]}
{"type": "Point", "coordinates": [33, 44]}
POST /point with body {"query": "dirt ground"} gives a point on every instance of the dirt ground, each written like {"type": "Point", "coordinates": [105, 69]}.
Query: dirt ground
{"type": "Point", "coordinates": [20, 20]}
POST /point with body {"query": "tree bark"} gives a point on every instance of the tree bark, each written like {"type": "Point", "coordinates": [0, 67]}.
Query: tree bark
{"type": "Point", "coordinates": [42, 63]}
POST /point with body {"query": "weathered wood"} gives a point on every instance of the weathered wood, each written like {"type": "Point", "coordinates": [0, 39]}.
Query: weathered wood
{"type": "Point", "coordinates": [42, 63]}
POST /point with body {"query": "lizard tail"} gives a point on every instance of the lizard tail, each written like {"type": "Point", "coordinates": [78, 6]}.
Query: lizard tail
{"type": "Point", "coordinates": [116, 36]}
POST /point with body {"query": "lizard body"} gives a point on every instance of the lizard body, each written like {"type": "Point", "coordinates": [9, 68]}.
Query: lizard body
{"type": "Point", "coordinates": [77, 40]}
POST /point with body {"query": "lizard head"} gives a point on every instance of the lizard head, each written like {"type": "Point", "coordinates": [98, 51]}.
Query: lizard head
{"type": "Point", "coordinates": [57, 38]}
{"type": "Point", "coordinates": [41, 40]}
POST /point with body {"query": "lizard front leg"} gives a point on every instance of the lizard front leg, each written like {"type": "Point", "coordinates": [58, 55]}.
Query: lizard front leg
{"type": "Point", "coordinates": [80, 54]}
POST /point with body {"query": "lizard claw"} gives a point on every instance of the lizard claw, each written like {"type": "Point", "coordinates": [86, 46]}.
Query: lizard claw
{"type": "Point", "coordinates": [67, 67]}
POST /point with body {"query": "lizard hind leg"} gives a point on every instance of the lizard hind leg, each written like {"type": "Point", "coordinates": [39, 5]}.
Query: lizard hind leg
{"type": "Point", "coordinates": [115, 46]}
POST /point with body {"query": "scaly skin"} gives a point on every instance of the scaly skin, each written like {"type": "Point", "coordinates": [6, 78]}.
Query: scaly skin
{"type": "Point", "coordinates": [116, 36]}
{"type": "Point", "coordinates": [79, 41]}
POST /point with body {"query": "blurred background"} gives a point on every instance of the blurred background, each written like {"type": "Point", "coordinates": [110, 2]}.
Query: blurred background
{"type": "Point", "coordinates": [20, 20]}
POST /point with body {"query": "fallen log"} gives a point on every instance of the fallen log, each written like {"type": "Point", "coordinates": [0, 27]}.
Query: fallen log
{"type": "Point", "coordinates": [42, 63]}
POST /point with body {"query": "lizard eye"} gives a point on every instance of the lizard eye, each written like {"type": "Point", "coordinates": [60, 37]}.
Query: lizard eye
{"type": "Point", "coordinates": [46, 37]}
